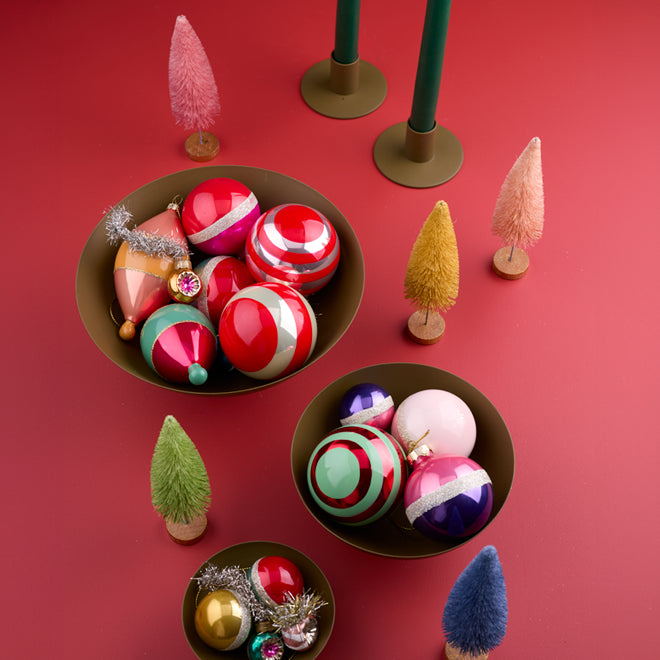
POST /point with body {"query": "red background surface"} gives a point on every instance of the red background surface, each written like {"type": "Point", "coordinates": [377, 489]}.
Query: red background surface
{"type": "Point", "coordinates": [569, 354]}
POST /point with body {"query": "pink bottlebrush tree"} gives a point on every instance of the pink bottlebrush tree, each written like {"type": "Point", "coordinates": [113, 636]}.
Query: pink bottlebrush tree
{"type": "Point", "coordinates": [519, 210]}
{"type": "Point", "coordinates": [193, 92]}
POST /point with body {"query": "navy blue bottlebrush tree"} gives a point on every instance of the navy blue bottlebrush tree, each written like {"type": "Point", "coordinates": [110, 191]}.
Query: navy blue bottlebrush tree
{"type": "Point", "coordinates": [475, 616]}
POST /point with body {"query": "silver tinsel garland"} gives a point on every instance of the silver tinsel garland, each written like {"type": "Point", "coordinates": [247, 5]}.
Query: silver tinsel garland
{"type": "Point", "coordinates": [117, 231]}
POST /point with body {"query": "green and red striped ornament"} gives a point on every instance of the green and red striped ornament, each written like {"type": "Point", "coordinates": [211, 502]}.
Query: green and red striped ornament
{"type": "Point", "coordinates": [356, 474]}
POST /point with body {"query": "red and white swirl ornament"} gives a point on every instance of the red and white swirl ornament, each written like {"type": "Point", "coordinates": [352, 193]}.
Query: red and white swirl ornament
{"type": "Point", "coordinates": [293, 244]}
{"type": "Point", "coordinates": [267, 330]}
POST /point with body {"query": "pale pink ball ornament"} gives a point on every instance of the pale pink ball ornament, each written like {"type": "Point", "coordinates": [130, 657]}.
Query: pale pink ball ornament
{"type": "Point", "coordinates": [438, 419]}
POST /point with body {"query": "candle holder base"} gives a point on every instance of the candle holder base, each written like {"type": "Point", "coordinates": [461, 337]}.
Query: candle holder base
{"type": "Point", "coordinates": [418, 160]}
{"type": "Point", "coordinates": [327, 88]}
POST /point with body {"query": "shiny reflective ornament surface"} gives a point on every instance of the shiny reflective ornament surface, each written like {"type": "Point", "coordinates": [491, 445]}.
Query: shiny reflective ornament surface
{"type": "Point", "coordinates": [448, 496]}
{"type": "Point", "coordinates": [221, 277]}
{"type": "Point", "coordinates": [141, 279]}
{"type": "Point", "coordinates": [274, 577]}
{"type": "Point", "coordinates": [222, 621]}
{"type": "Point", "coordinates": [179, 344]}
{"type": "Point", "coordinates": [183, 283]}
{"type": "Point", "coordinates": [356, 474]}
{"type": "Point", "coordinates": [366, 403]}
{"type": "Point", "coordinates": [265, 646]}
{"type": "Point", "coordinates": [437, 418]}
{"type": "Point", "coordinates": [293, 244]}
{"type": "Point", "coordinates": [267, 330]}
{"type": "Point", "coordinates": [301, 636]}
{"type": "Point", "coordinates": [218, 214]}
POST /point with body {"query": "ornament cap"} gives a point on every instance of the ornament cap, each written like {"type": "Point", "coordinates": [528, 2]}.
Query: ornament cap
{"type": "Point", "coordinates": [127, 330]}
{"type": "Point", "coordinates": [197, 374]}
{"type": "Point", "coordinates": [418, 454]}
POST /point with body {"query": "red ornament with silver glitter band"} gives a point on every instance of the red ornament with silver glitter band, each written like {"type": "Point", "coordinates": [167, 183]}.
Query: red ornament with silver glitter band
{"type": "Point", "coordinates": [221, 277]}
{"type": "Point", "coordinates": [218, 214]}
{"type": "Point", "coordinates": [267, 330]}
{"type": "Point", "coordinates": [273, 578]}
{"type": "Point", "coordinates": [293, 244]}
{"type": "Point", "coordinates": [447, 496]}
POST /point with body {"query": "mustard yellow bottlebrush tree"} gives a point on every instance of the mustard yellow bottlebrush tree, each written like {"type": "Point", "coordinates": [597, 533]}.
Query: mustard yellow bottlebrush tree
{"type": "Point", "coordinates": [431, 281]}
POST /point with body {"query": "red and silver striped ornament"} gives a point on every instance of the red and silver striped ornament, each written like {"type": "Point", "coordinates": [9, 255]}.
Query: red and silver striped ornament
{"type": "Point", "coordinates": [267, 330]}
{"type": "Point", "coordinates": [293, 244]}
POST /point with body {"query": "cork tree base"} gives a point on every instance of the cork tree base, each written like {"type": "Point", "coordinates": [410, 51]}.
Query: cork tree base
{"type": "Point", "coordinates": [512, 269]}
{"type": "Point", "coordinates": [202, 151]}
{"type": "Point", "coordinates": [187, 533]}
{"type": "Point", "coordinates": [425, 331]}
{"type": "Point", "coordinates": [453, 653]}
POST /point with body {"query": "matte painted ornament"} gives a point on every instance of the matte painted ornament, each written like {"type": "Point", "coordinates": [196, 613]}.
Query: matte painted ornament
{"type": "Point", "coordinates": [367, 403]}
{"type": "Point", "coordinates": [223, 620]}
{"type": "Point", "coordinates": [273, 578]}
{"type": "Point", "coordinates": [356, 474]}
{"type": "Point", "coordinates": [218, 214]}
{"type": "Point", "coordinates": [293, 244]}
{"type": "Point", "coordinates": [266, 645]}
{"type": "Point", "coordinates": [221, 277]}
{"type": "Point", "coordinates": [301, 636]}
{"type": "Point", "coordinates": [179, 344]}
{"type": "Point", "coordinates": [439, 419]}
{"type": "Point", "coordinates": [140, 278]}
{"type": "Point", "coordinates": [448, 496]}
{"type": "Point", "coordinates": [267, 330]}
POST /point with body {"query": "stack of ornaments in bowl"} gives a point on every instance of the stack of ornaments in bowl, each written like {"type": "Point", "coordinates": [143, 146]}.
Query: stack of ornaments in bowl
{"type": "Point", "coordinates": [244, 304]}
{"type": "Point", "coordinates": [417, 452]}
{"type": "Point", "coordinates": [265, 609]}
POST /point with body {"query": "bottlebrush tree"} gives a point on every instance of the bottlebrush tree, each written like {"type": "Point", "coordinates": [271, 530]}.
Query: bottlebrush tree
{"type": "Point", "coordinates": [475, 616]}
{"type": "Point", "coordinates": [432, 275]}
{"type": "Point", "coordinates": [519, 211]}
{"type": "Point", "coordinates": [193, 91]}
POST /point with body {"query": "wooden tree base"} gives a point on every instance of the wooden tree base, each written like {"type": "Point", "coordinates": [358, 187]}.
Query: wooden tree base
{"type": "Point", "coordinates": [187, 533]}
{"type": "Point", "coordinates": [202, 151]}
{"type": "Point", "coordinates": [452, 653]}
{"type": "Point", "coordinates": [512, 269]}
{"type": "Point", "coordinates": [425, 331]}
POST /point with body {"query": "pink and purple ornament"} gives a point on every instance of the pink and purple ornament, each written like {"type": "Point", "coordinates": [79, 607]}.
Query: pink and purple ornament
{"type": "Point", "coordinates": [179, 344]}
{"type": "Point", "coordinates": [448, 496]}
{"type": "Point", "coordinates": [274, 579]}
{"type": "Point", "coordinates": [221, 277]}
{"type": "Point", "coordinates": [366, 403]}
{"type": "Point", "coordinates": [356, 474]}
{"type": "Point", "coordinates": [267, 330]}
{"type": "Point", "coordinates": [440, 419]}
{"type": "Point", "coordinates": [218, 215]}
{"type": "Point", "coordinates": [293, 244]}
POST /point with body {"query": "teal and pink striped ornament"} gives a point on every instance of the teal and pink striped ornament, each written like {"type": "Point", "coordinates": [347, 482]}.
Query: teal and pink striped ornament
{"type": "Point", "coordinates": [356, 474]}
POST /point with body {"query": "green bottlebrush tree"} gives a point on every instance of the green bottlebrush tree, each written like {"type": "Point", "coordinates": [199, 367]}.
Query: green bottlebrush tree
{"type": "Point", "coordinates": [180, 489]}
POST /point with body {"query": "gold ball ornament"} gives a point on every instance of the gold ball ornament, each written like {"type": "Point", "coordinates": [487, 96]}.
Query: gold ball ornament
{"type": "Point", "coordinates": [222, 621]}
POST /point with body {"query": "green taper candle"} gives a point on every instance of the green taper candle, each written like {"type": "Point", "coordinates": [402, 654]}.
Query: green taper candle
{"type": "Point", "coordinates": [346, 31]}
{"type": "Point", "coordinates": [429, 69]}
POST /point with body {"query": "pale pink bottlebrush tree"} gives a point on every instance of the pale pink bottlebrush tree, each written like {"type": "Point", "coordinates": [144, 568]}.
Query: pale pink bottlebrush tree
{"type": "Point", "coordinates": [519, 210]}
{"type": "Point", "coordinates": [193, 91]}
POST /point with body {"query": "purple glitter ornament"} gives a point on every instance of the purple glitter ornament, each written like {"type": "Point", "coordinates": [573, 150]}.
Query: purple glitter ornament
{"type": "Point", "coordinates": [366, 403]}
{"type": "Point", "coordinates": [448, 496]}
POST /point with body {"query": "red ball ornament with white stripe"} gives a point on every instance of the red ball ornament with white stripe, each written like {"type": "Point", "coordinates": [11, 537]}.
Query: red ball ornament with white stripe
{"type": "Point", "coordinates": [293, 244]}
{"type": "Point", "coordinates": [221, 277]}
{"type": "Point", "coordinates": [218, 214]}
{"type": "Point", "coordinates": [274, 579]}
{"type": "Point", "coordinates": [447, 496]}
{"type": "Point", "coordinates": [267, 330]}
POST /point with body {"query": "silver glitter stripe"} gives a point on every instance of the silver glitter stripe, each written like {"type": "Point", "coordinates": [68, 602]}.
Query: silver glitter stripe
{"type": "Point", "coordinates": [446, 492]}
{"type": "Point", "coordinates": [226, 221]}
{"type": "Point", "coordinates": [363, 415]}
{"type": "Point", "coordinates": [258, 587]}
{"type": "Point", "coordinates": [401, 432]}
{"type": "Point", "coordinates": [205, 273]}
